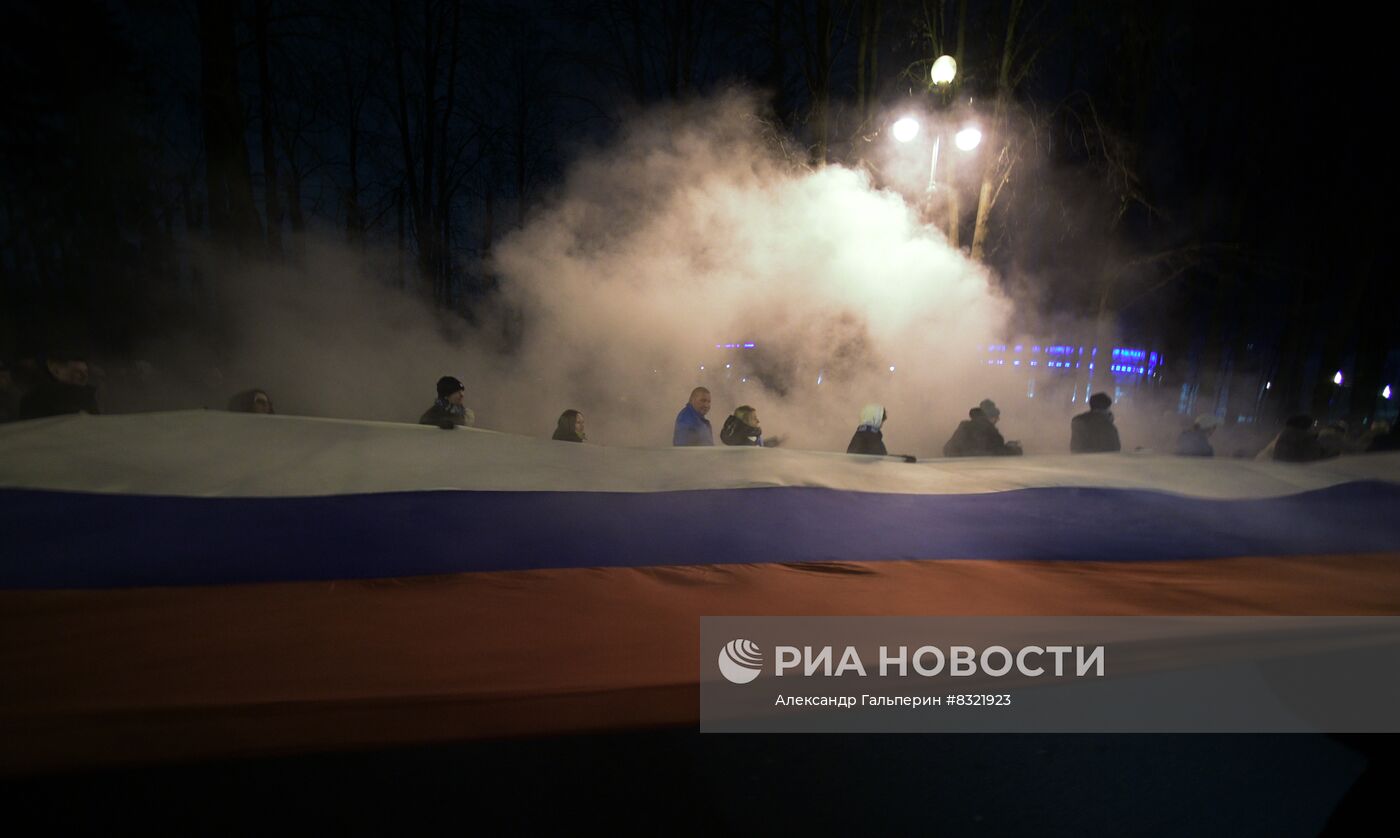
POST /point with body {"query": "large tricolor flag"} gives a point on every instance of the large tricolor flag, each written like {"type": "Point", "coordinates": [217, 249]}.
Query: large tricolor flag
{"type": "Point", "coordinates": [199, 584]}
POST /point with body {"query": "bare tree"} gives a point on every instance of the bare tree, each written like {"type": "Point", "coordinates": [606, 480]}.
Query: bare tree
{"type": "Point", "coordinates": [232, 214]}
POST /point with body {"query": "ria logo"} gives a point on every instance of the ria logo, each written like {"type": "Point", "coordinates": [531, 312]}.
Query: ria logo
{"type": "Point", "coordinates": [740, 661]}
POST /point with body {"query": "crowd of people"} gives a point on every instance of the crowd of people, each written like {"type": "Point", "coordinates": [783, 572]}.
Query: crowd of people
{"type": "Point", "coordinates": [59, 384]}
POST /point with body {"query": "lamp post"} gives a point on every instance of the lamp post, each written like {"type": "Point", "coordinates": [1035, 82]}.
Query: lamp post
{"type": "Point", "coordinates": [905, 129]}
{"type": "Point", "coordinates": [944, 70]}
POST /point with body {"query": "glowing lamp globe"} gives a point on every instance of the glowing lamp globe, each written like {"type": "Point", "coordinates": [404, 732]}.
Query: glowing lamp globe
{"type": "Point", "coordinates": [944, 69]}
{"type": "Point", "coordinates": [906, 129]}
{"type": "Point", "coordinates": [968, 138]}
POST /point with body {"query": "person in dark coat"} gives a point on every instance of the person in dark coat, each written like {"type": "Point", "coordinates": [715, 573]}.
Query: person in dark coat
{"type": "Point", "coordinates": [742, 428]}
{"type": "Point", "coordinates": [60, 387]}
{"type": "Point", "coordinates": [1298, 442]}
{"type": "Point", "coordinates": [251, 401]}
{"type": "Point", "coordinates": [1195, 440]}
{"type": "Point", "coordinates": [1387, 440]}
{"type": "Point", "coordinates": [1093, 432]}
{"type": "Point", "coordinates": [448, 411]}
{"type": "Point", "coordinates": [869, 437]}
{"type": "Point", "coordinates": [977, 435]}
{"type": "Point", "coordinates": [692, 428]}
{"type": "Point", "coordinates": [570, 427]}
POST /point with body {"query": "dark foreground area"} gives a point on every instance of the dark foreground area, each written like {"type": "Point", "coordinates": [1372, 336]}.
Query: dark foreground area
{"type": "Point", "coordinates": [679, 781]}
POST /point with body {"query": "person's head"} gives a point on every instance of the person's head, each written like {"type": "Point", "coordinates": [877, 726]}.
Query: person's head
{"type": "Point", "coordinates": [68, 370]}
{"type": "Point", "coordinates": [570, 422]}
{"type": "Point", "coordinates": [1100, 401]}
{"type": "Point", "coordinates": [251, 401]}
{"type": "Point", "coordinates": [976, 413]}
{"type": "Point", "coordinates": [990, 410]}
{"type": "Point", "coordinates": [1206, 423]}
{"type": "Point", "coordinates": [451, 389]}
{"type": "Point", "coordinates": [747, 415]}
{"type": "Point", "coordinates": [700, 400]}
{"type": "Point", "coordinates": [874, 416]}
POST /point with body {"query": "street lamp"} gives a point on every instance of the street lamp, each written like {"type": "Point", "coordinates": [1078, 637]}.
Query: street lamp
{"type": "Point", "coordinates": [906, 128]}
{"type": "Point", "coordinates": [968, 138]}
{"type": "Point", "coordinates": [944, 70]}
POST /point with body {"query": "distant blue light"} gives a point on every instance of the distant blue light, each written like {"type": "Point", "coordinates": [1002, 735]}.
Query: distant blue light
{"type": "Point", "coordinates": [1018, 347]}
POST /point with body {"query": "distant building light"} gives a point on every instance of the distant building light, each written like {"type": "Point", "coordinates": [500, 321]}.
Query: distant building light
{"type": "Point", "coordinates": [1385, 394]}
{"type": "Point", "coordinates": [891, 367]}
{"type": "Point", "coordinates": [1268, 385]}
{"type": "Point", "coordinates": [726, 366]}
{"type": "Point", "coordinates": [1018, 347]}
{"type": "Point", "coordinates": [1337, 379]}
{"type": "Point", "coordinates": [1013, 363]}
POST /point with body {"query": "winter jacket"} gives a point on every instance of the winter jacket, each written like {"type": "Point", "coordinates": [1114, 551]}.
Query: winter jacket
{"type": "Point", "coordinates": [692, 428]}
{"type": "Point", "coordinates": [441, 413]}
{"type": "Point", "coordinates": [1386, 442]}
{"type": "Point", "coordinates": [738, 432]}
{"type": "Point", "coordinates": [1194, 443]}
{"type": "Point", "coordinates": [1093, 433]}
{"type": "Point", "coordinates": [867, 440]}
{"type": "Point", "coordinates": [1295, 445]}
{"type": "Point", "coordinates": [51, 397]}
{"type": "Point", "coordinates": [978, 438]}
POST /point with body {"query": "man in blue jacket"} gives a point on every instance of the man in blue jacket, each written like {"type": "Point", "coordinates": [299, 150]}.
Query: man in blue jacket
{"type": "Point", "coordinates": [692, 428]}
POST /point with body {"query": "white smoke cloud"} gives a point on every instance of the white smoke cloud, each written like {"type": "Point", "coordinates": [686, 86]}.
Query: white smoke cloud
{"type": "Point", "coordinates": [689, 231]}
